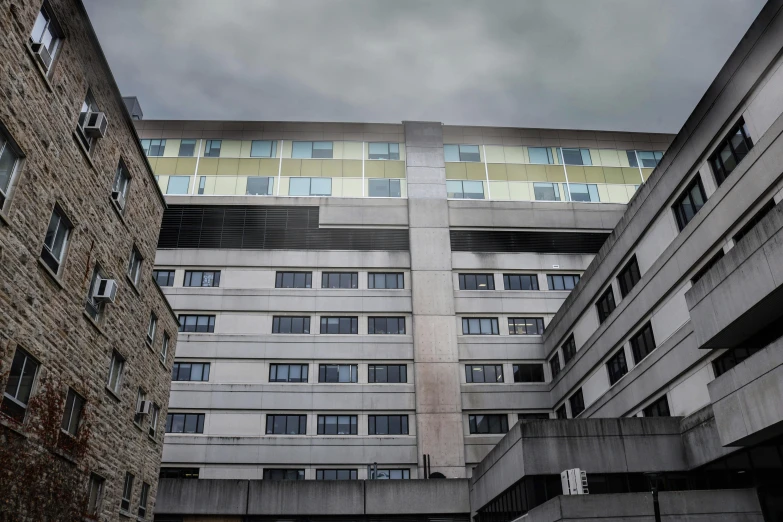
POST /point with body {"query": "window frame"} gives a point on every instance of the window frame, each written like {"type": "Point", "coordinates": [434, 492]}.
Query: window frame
{"type": "Point", "coordinates": [494, 326]}
{"type": "Point", "coordinates": [94, 502]}
{"type": "Point", "coordinates": [52, 25]}
{"type": "Point", "coordinates": [687, 194]}
{"type": "Point", "coordinates": [183, 325]}
{"type": "Point", "coordinates": [72, 413]}
{"type": "Point", "coordinates": [373, 372]}
{"type": "Point", "coordinates": [134, 266]}
{"type": "Point", "coordinates": [320, 474]}
{"type": "Point", "coordinates": [323, 373]}
{"type": "Point", "coordinates": [327, 277]}
{"type": "Point", "coordinates": [629, 276]}
{"type": "Point", "coordinates": [392, 188]}
{"type": "Point", "coordinates": [117, 362]}
{"type": "Point", "coordinates": [471, 370]}
{"type": "Point", "coordinates": [473, 423]}
{"type": "Point", "coordinates": [156, 144]}
{"type": "Point", "coordinates": [554, 365]}
{"type": "Point", "coordinates": [94, 308]}
{"type": "Point", "coordinates": [154, 419]}
{"type": "Point", "coordinates": [127, 492]}
{"type": "Point", "coordinates": [353, 424]}
{"type": "Point", "coordinates": [152, 329]}
{"type": "Point", "coordinates": [617, 366]}
{"type": "Point", "coordinates": [89, 106]}
{"type": "Point", "coordinates": [546, 185]}
{"type": "Point", "coordinates": [508, 282]}
{"type": "Point", "coordinates": [14, 398]}
{"type": "Point", "coordinates": [304, 371]}
{"type": "Point", "coordinates": [47, 255]}
{"type": "Point", "coordinates": [272, 148]}
{"type": "Point", "coordinates": [465, 280]}
{"type": "Point", "coordinates": [182, 144]}
{"type": "Point", "coordinates": [715, 161]}
{"type": "Point", "coordinates": [514, 324]}
{"type": "Point", "coordinates": [278, 321]}
{"type": "Point", "coordinates": [170, 275]}
{"type": "Point", "coordinates": [636, 350]}
{"type": "Point", "coordinates": [143, 499]}
{"type": "Point", "coordinates": [270, 186]}
{"type": "Point", "coordinates": [534, 370]}
{"type": "Point", "coordinates": [372, 276]}
{"type": "Point", "coordinates": [372, 325]}
{"type": "Point", "coordinates": [310, 193]}
{"type": "Point", "coordinates": [200, 421]}
{"type": "Point", "coordinates": [8, 145]}
{"type": "Point", "coordinates": [312, 149]}
{"type": "Point", "coordinates": [552, 285]}
{"type": "Point", "coordinates": [605, 304]}
{"type": "Point", "coordinates": [164, 349]}
{"type": "Point", "coordinates": [280, 277]}
{"type": "Point", "coordinates": [352, 321]}
{"type": "Point", "coordinates": [389, 153]}
{"type": "Point", "coordinates": [401, 419]}
{"type": "Point", "coordinates": [569, 349]}
{"type": "Point", "coordinates": [299, 422]}
{"type": "Point", "coordinates": [654, 409]}
{"type": "Point", "coordinates": [462, 194]}
{"type": "Point", "coordinates": [577, 403]}
{"type": "Point", "coordinates": [121, 184]}
{"type": "Point", "coordinates": [268, 472]}
{"type": "Point", "coordinates": [177, 369]}
{"type": "Point", "coordinates": [189, 275]}
{"type": "Point", "coordinates": [210, 146]}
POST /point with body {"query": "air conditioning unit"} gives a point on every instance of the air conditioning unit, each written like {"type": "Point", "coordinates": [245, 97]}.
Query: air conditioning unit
{"type": "Point", "coordinates": [145, 407]}
{"type": "Point", "coordinates": [118, 198]}
{"type": "Point", "coordinates": [42, 53]}
{"type": "Point", "coordinates": [106, 290]}
{"type": "Point", "coordinates": [96, 124]}
{"type": "Point", "coordinates": [574, 482]}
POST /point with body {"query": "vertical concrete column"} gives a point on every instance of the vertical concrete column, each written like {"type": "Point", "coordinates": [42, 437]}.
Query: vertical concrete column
{"type": "Point", "coordinates": [436, 359]}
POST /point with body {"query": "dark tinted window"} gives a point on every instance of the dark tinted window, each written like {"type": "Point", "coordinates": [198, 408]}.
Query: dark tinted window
{"type": "Point", "coordinates": [617, 366]}
{"type": "Point", "coordinates": [284, 474]}
{"type": "Point", "coordinates": [339, 325]}
{"type": "Point", "coordinates": [529, 373]}
{"type": "Point", "coordinates": [337, 373]}
{"type": "Point", "coordinates": [187, 148]}
{"type": "Point", "coordinates": [340, 280]}
{"type": "Point", "coordinates": [288, 372]}
{"type": "Point", "coordinates": [706, 268]}
{"type": "Point", "coordinates": [520, 281]}
{"type": "Point", "coordinates": [164, 277]}
{"type": "Point", "coordinates": [554, 365]}
{"type": "Point", "coordinates": [335, 474]}
{"type": "Point", "coordinates": [525, 326]}
{"type": "Point", "coordinates": [185, 423]}
{"type": "Point", "coordinates": [385, 281]}
{"type": "Point", "coordinates": [202, 278]}
{"type": "Point", "coordinates": [732, 358]}
{"type": "Point", "coordinates": [577, 402]}
{"type": "Point", "coordinates": [569, 349]}
{"type": "Point", "coordinates": [286, 424]}
{"type": "Point", "coordinates": [629, 276]}
{"type": "Point", "coordinates": [488, 373]}
{"type": "Point", "coordinates": [190, 371]}
{"type": "Point", "coordinates": [480, 326]}
{"type": "Point", "coordinates": [178, 473]}
{"type": "Point", "coordinates": [386, 325]}
{"type": "Point", "coordinates": [731, 151]}
{"type": "Point", "coordinates": [476, 282]}
{"type": "Point", "coordinates": [384, 188]}
{"type": "Point", "coordinates": [642, 343]}
{"type": "Point", "coordinates": [562, 281]}
{"type": "Point", "coordinates": [659, 408]}
{"type": "Point", "coordinates": [197, 323]}
{"type": "Point", "coordinates": [388, 373]}
{"type": "Point", "coordinates": [387, 425]}
{"type": "Point", "coordinates": [384, 151]}
{"type": "Point", "coordinates": [294, 280]}
{"type": "Point", "coordinates": [263, 149]}
{"type": "Point", "coordinates": [560, 413]}
{"type": "Point", "coordinates": [259, 186]}
{"type": "Point", "coordinates": [337, 425]}
{"type": "Point", "coordinates": [490, 423]}
{"type": "Point", "coordinates": [577, 157]}
{"type": "Point", "coordinates": [605, 305]}
{"type": "Point", "coordinates": [691, 201]}
{"type": "Point", "coordinates": [462, 153]}
{"type": "Point", "coordinates": [212, 148]}
{"type": "Point", "coordinates": [286, 324]}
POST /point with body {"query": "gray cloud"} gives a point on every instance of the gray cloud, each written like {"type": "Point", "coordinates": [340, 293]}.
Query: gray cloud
{"type": "Point", "coordinates": [594, 64]}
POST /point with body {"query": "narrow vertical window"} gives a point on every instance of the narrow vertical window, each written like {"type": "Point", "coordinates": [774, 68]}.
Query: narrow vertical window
{"type": "Point", "coordinates": [56, 239]}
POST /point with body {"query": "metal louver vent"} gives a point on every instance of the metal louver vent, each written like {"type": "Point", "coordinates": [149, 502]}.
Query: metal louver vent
{"type": "Point", "coordinates": [523, 241]}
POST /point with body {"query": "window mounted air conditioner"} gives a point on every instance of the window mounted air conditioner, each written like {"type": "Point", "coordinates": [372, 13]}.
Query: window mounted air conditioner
{"type": "Point", "coordinates": [574, 482]}
{"type": "Point", "coordinates": [106, 291]}
{"type": "Point", "coordinates": [118, 199]}
{"type": "Point", "coordinates": [96, 124]}
{"type": "Point", "coordinates": [145, 407]}
{"type": "Point", "coordinates": [42, 54]}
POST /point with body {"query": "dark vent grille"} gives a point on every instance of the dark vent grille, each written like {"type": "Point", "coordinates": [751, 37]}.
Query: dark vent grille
{"type": "Point", "coordinates": [519, 241]}
{"type": "Point", "coordinates": [267, 228]}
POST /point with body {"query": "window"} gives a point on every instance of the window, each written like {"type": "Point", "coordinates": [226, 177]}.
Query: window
{"type": "Point", "coordinates": [462, 153]}
{"type": "Point", "coordinates": [388, 281]}
{"type": "Point", "coordinates": [310, 187]}
{"type": "Point", "coordinates": [528, 372]}
{"type": "Point", "coordinates": [546, 191]}
{"type": "Point", "coordinates": [731, 151]}
{"type": "Point", "coordinates": [185, 423]}
{"type": "Point", "coordinates": [145, 491]}
{"type": "Point", "coordinates": [339, 325]}
{"type": "Point", "coordinates": [605, 305]}
{"type": "Point", "coordinates": [387, 373]}
{"type": "Point", "coordinates": [577, 402]}
{"type": "Point", "coordinates": [263, 149]}
{"type": "Point", "coordinates": [617, 366]}
{"type": "Point", "coordinates": [115, 373]}
{"type": "Point", "coordinates": [46, 37]}
{"type": "Point", "coordinates": [187, 148]}
{"type": "Point", "coordinates": [336, 474]}
{"type": "Point", "coordinates": [153, 147]}
{"type": "Point", "coordinates": [384, 188]}
{"type": "Point", "coordinates": [260, 186]}
{"type": "Point", "coordinates": [648, 159]}
{"type": "Point", "coordinates": [127, 492]}
{"type": "Point", "coordinates": [569, 349]}
{"type": "Point", "coordinates": [86, 115]}
{"type": "Point", "coordinates": [629, 276]}
{"type": "Point", "coordinates": [93, 307]}
{"type": "Point", "coordinates": [141, 396]}
{"type": "Point", "coordinates": [151, 329]}
{"type": "Point", "coordinates": [188, 473]}
{"type": "Point", "coordinates": [689, 203]}
{"type": "Point", "coordinates": [56, 238]}
{"type": "Point", "coordinates": [554, 365]}
{"type": "Point", "coordinates": [484, 373]}
{"type": "Point", "coordinates": [286, 424]}
{"type": "Point", "coordinates": [526, 326]}
{"type": "Point", "coordinates": [480, 326]}
{"type": "Point", "coordinates": [491, 423]}
{"type": "Point", "coordinates": [561, 413]}
{"type": "Point", "coordinates": [386, 325]}
{"type": "Point", "coordinates": [340, 280]}
{"type": "Point", "coordinates": [392, 474]}
{"type": "Point", "coordinates": [286, 324]}
{"type": "Point", "coordinates": [9, 161]}
{"type": "Point", "coordinates": [164, 349]}
{"type": "Point", "coordinates": [294, 280]}
{"type": "Point", "coordinates": [577, 157]}
{"type": "Point", "coordinates": [642, 343]}
{"type": "Point", "coordinates": [384, 151]}
{"type": "Point", "coordinates": [288, 372]}
{"type": "Point", "coordinates": [584, 192]}
{"type": "Point", "coordinates": [154, 416]}
{"type": "Point", "coordinates": [190, 371]}
{"type": "Point", "coordinates": [212, 148]}
{"type": "Point", "coordinates": [476, 282]}
{"type": "Point", "coordinates": [284, 474]}
{"type": "Point", "coordinates": [659, 408]}
{"type": "Point", "coordinates": [520, 281]}
{"type": "Point", "coordinates": [458, 189]}
{"type": "Point", "coordinates": [387, 425]}
{"type": "Point", "coordinates": [202, 278]}
{"type": "Point", "coordinates": [541, 155]}
{"type": "Point", "coordinates": [708, 266]}
{"type": "Point", "coordinates": [120, 186]}
{"type": "Point", "coordinates": [755, 220]}
{"type": "Point", "coordinates": [20, 385]}
{"type": "Point", "coordinates": [337, 425]}
{"type": "Point", "coordinates": [197, 323]}
{"type": "Point", "coordinates": [337, 372]}
{"type": "Point", "coordinates": [74, 403]}
{"type": "Point", "coordinates": [562, 281]}
{"type": "Point", "coordinates": [134, 266]}
{"type": "Point", "coordinates": [202, 184]}
{"type": "Point", "coordinates": [178, 185]}
{"type": "Point", "coordinates": [95, 494]}
{"type": "Point", "coordinates": [532, 416]}
{"type": "Point", "coordinates": [731, 358]}
{"type": "Point", "coordinates": [312, 149]}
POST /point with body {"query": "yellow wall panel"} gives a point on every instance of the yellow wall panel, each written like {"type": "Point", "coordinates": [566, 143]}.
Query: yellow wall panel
{"type": "Point", "coordinates": [287, 149]}
{"type": "Point", "coordinates": [603, 193]}
{"type": "Point", "coordinates": [520, 191]}
{"type": "Point", "coordinates": [186, 166]}
{"type": "Point", "coordinates": [623, 157]}
{"type": "Point", "coordinates": [595, 157]}
{"type": "Point", "coordinates": [244, 148]}
{"type": "Point", "coordinates": [617, 194]}
{"type": "Point", "coordinates": [609, 158]}
{"type": "Point", "coordinates": [352, 150]}
{"type": "Point", "coordinates": [172, 149]}
{"type": "Point", "coordinates": [536, 172]}
{"type": "Point", "coordinates": [476, 171]}
{"type": "Point", "coordinates": [495, 154]}
{"type": "Point", "coordinates": [311, 168]}
{"type": "Point", "coordinates": [554, 173]}
{"type": "Point", "coordinates": [268, 167]}
{"type": "Point", "coordinates": [646, 173]}
{"type": "Point", "coordinates": [576, 174]}
{"type": "Point", "coordinates": [374, 169]}
{"type": "Point", "coordinates": [166, 166]}
{"type": "Point", "coordinates": [352, 188]}
{"type": "Point", "coordinates": [337, 150]}
{"type": "Point", "coordinates": [283, 188]}
{"type": "Point", "coordinates": [394, 169]}
{"type": "Point", "coordinates": [228, 166]}
{"type": "Point", "coordinates": [292, 167]}
{"type": "Point", "coordinates": [352, 168]}
{"type": "Point", "coordinates": [209, 185]}
{"type": "Point", "coordinates": [592, 174]}
{"type": "Point", "coordinates": [402, 155]}
{"type": "Point", "coordinates": [613, 175]}
{"type": "Point", "coordinates": [516, 172]}
{"type": "Point", "coordinates": [153, 163]}
{"type": "Point", "coordinates": [631, 190]}
{"type": "Point", "coordinates": [225, 185]}
{"type": "Point", "coordinates": [514, 154]}
{"type": "Point", "coordinates": [497, 171]}
{"type": "Point", "coordinates": [337, 187]}
{"type": "Point", "coordinates": [230, 148]}
{"type": "Point", "coordinates": [632, 175]}
{"type": "Point", "coordinates": [456, 171]}
{"type": "Point", "coordinates": [163, 182]}
{"type": "Point", "coordinates": [499, 190]}
{"type": "Point", "coordinates": [241, 188]}
{"type": "Point", "coordinates": [207, 166]}
{"type": "Point", "coordinates": [249, 166]}
{"type": "Point", "coordinates": [332, 168]}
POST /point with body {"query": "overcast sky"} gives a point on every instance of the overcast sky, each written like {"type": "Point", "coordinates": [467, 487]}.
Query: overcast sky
{"type": "Point", "coordinates": [637, 65]}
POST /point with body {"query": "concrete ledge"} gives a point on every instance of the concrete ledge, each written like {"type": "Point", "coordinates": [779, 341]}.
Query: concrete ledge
{"type": "Point", "coordinates": [419, 496]}
{"type": "Point", "coordinates": [201, 497]}
{"type": "Point", "coordinates": [306, 497]}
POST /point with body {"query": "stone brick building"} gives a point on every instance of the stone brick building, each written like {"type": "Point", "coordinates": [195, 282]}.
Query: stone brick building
{"type": "Point", "coordinates": [82, 323]}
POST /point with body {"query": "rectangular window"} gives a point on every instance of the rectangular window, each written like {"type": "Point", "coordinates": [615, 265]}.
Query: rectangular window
{"type": "Point", "coordinates": [387, 281]}
{"type": "Point", "coordinates": [141, 396]}
{"type": "Point", "coordinates": [541, 155]}
{"type": "Point", "coordinates": [284, 474]}
{"type": "Point", "coordinates": [562, 281]}
{"type": "Point", "coordinates": [629, 276]}
{"type": "Point", "coordinates": [462, 153]}
{"type": "Point", "coordinates": [202, 184]}
{"type": "Point", "coordinates": [554, 365]}
{"type": "Point", "coordinates": [286, 424]}
{"type": "Point", "coordinates": [190, 371]}
{"type": "Point", "coordinates": [312, 149]}
{"type": "Point", "coordinates": [294, 280]}
{"type": "Point", "coordinates": [707, 267]}
{"type": "Point", "coordinates": [87, 113]}
{"type": "Point", "coordinates": [212, 148]}
{"type": "Point", "coordinates": [263, 149]}
{"type": "Point", "coordinates": [387, 425]}
{"type": "Point", "coordinates": [392, 474]}
{"type": "Point", "coordinates": [384, 151]}
{"type": "Point", "coordinates": [119, 189]}
{"type": "Point", "coordinates": [484, 373]}
{"type": "Point", "coordinates": [649, 159]}
{"type": "Point", "coordinates": [337, 373]}
{"type": "Point", "coordinates": [659, 408]}
{"type": "Point", "coordinates": [577, 402]}
{"type": "Point", "coordinates": [731, 358]}
{"type": "Point", "coordinates": [569, 349]}
{"type": "Point", "coordinates": [731, 151]}
{"type": "Point", "coordinates": [187, 148]}
{"type": "Point", "coordinates": [605, 304]}
{"type": "Point", "coordinates": [185, 423]}
{"type": "Point", "coordinates": [546, 191]}
{"type": "Point", "coordinates": [164, 349]}
{"type": "Point", "coordinates": [577, 157]}
{"type": "Point", "coordinates": [526, 326]}
{"type": "Point", "coordinates": [154, 416]}
{"type": "Point", "coordinates": [197, 323]}
{"type": "Point", "coordinates": [93, 307]}
{"type": "Point", "coordinates": [340, 280]}
{"type": "Point", "coordinates": [533, 416]}
{"type": "Point", "coordinates": [20, 385]}
{"type": "Point", "coordinates": [528, 372]}
{"type": "Point", "coordinates": [755, 220]}
{"type": "Point", "coordinates": [310, 187]}
{"type": "Point", "coordinates": [480, 326]}
{"type": "Point", "coordinates": [689, 203]}
{"type": "Point", "coordinates": [340, 325]}
{"type": "Point", "coordinates": [145, 492]}
{"type": "Point", "coordinates": [188, 473]}
{"type": "Point", "coordinates": [587, 192]}
{"type": "Point", "coordinates": [288, 372]}
{"type": "Point", "coordinates": [95, 495]}
{"type": "Point", "coordinates": [202, 278]}
{"type": "Point", "coordinates": [74, 404]}
{"type": "Point", "coordinates": [153, 147]}
{"type": "Point", "coordinates": [127, 493]}
{"type": "Point", "coordinates": [617, 366]}
{"type": "Point", "coordinates": [386, 325]}
{"type": "Point", "coordinates": [56, 238]}
{"type": "Point", "coordinates": [520, 281]}
{"type": "Point", "coordinates": [288, 324]}
{"type": "Point", "coordinates": [337, 425]}
{"type": "Point", "coordinates": [384, 188]}
{"type": "Point", "coordinates": [178, 185]}
{"type": "Point", "coordinates": [561, 413]}
{"type": "Point", "coordinates": [489, 423]}
{"type": "Point", "coordinates": [388, 373]}
{"type": "Point", "coordinates": [458, 189]}
{"type": "Point", "coordinates": [476, 281]}
{"type": "Point", "coordinates": [115, 373]}
{"type": "Point", "coordinates": [642, 343]}
{"type": "Point", "coordinates": [153, 325]}
{"type": "Point", "coordinates": [46, 37]}
{"type": "Point", "coordinates": [260, 186]}
{"type": "Point", "coordinates": [335, 474]}
{"type": "Point", "coordinates": [10, 157]}
{"type": "Point", "coordinates": [134, 266]}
